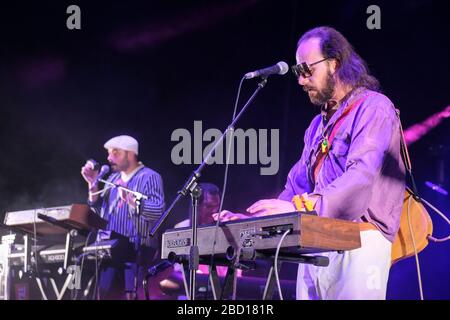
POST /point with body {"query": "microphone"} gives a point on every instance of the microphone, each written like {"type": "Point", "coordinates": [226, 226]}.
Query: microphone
{"type": "Point", "coordinates": [280, 68]}
{"type": "Point", "coordinates": [103, 171]}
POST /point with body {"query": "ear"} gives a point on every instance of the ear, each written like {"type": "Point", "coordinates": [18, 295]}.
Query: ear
{"type": "Point", "coordinates": [129, 155]}
{"type": "Point", "coordinates": [334, 65]}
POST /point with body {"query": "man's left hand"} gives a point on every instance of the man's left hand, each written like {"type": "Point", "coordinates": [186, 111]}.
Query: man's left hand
{"type": "Point", "coordinates": [128, 198]}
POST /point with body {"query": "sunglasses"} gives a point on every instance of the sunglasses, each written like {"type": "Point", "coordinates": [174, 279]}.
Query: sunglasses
{"type": "Point", "coordinates": [304, 69]}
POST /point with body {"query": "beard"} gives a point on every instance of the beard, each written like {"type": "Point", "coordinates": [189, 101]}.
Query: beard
{"type": "Point", "coordinates": [121, 166]}
{"type": "Point", "coordinates": [321, 97]}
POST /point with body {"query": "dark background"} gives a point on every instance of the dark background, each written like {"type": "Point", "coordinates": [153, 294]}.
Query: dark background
{"type": "Point", "coordinates": [147, 68]}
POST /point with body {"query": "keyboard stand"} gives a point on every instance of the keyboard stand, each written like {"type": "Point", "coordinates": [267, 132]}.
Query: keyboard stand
{"type": "Point", "coordinates": [271, 279]}
{"type": "Point", "coordinates": [73, 280]}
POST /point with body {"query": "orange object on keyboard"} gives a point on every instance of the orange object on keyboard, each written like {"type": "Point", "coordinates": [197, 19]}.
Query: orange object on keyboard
{"type": "Point", "coordinates": [302, 202]}
{"type": "Point", "coordinates": [306, 202]}
{"type": "Point", "coordinates": [298, 204]}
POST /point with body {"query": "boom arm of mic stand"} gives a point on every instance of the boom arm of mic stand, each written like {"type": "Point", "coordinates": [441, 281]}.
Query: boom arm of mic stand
{"type": "Point", "coordinates": [138, 195]}
{"type": "Point", "coordinates": [192, 181]}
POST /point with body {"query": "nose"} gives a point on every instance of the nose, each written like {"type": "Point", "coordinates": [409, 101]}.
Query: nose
{"type": "Point", "coordinates": [302, 80]}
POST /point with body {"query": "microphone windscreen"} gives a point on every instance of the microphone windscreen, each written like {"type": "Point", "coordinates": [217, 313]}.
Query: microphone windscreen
{"type": "Point", "coordinates": [283, 67]}
{"type": "Point", "coordinates": [104, 170]}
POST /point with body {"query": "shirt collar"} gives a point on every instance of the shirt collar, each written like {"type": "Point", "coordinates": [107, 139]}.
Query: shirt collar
{"type": "Point", "coordinates": [329, 108]}
{"type": "Point", "coordinates": [338, 107]}
{"type": "Point", "coordinates": [127, 177]}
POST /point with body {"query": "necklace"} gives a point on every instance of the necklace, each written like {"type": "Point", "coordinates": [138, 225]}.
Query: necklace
{"type": "Point", "coordinates": [348, 98]}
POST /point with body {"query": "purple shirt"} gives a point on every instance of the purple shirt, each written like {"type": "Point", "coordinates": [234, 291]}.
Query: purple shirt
{"type": "Point", "coordinates": [363, 176]}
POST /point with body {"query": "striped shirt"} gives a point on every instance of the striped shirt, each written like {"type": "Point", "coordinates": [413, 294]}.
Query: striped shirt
{"type": "Point", "coordinates": [122, 217]}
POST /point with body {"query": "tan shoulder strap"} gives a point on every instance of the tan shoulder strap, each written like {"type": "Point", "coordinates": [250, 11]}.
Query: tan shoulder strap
{"type": "Point", "coordinates": [404, 149]}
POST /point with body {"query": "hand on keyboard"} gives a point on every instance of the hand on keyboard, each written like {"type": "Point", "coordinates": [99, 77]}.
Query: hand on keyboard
{"type": "Point", "coordinates": [226, 215]}
{"type": "Point", "coordinates": [270, 206]}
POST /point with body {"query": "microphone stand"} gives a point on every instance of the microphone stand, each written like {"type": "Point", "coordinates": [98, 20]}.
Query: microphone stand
{"type": "Point", "coordinates": [191, 187]}
{"type": "Point", "coordinates": [137, 244]}
{"type": "Point", "coordinates": [139, 196]}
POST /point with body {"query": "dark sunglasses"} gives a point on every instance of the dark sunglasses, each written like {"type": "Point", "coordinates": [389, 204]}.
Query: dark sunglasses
{"type": "Point", "coordinates": [303, 69]}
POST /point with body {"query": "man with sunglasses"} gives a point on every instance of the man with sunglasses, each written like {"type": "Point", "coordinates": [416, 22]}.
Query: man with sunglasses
{"type": "Point", "coordinates": [350, 168]}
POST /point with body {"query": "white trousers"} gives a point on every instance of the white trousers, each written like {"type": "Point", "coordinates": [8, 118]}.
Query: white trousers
{"type": "Point", "coordinates": [360, 274]}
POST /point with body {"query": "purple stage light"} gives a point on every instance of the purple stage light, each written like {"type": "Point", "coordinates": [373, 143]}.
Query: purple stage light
{"type": "Point", "coordinates": [436, 187]}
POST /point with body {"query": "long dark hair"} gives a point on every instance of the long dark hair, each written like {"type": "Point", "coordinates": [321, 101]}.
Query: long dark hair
{"type": "Point", "coordinates": [352, 70]}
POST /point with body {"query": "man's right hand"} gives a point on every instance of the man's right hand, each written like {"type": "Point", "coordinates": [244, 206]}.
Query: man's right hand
{"type": "Point", "coordinates": [89, 174]}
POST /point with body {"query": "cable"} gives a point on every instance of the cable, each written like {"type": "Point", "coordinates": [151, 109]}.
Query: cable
{"type": "Point", "coordinates": [106, 188]}
{"type": "Point", "coordinates": [443, 217]}
{"type": "Point", "coordinates": [407, 162]}
{"type": "Point", "coordinates": [276, 262]}
{"type": "Point", "coordinates": [415, 194]}
{"type": "Point", "coordinates": [235, 266]}
{"type": "Point", "coordinates": [95, 292]}
{"type": "Point", "coordinates": [82, 261]}
{"type": "Point", "coordinates": [225, 181]}
{"type": "Point", "coordinates": [416, 254]}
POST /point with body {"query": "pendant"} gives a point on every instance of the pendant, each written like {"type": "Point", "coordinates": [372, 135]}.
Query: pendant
{"type": "Point", "coordinates": [324, 145]}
